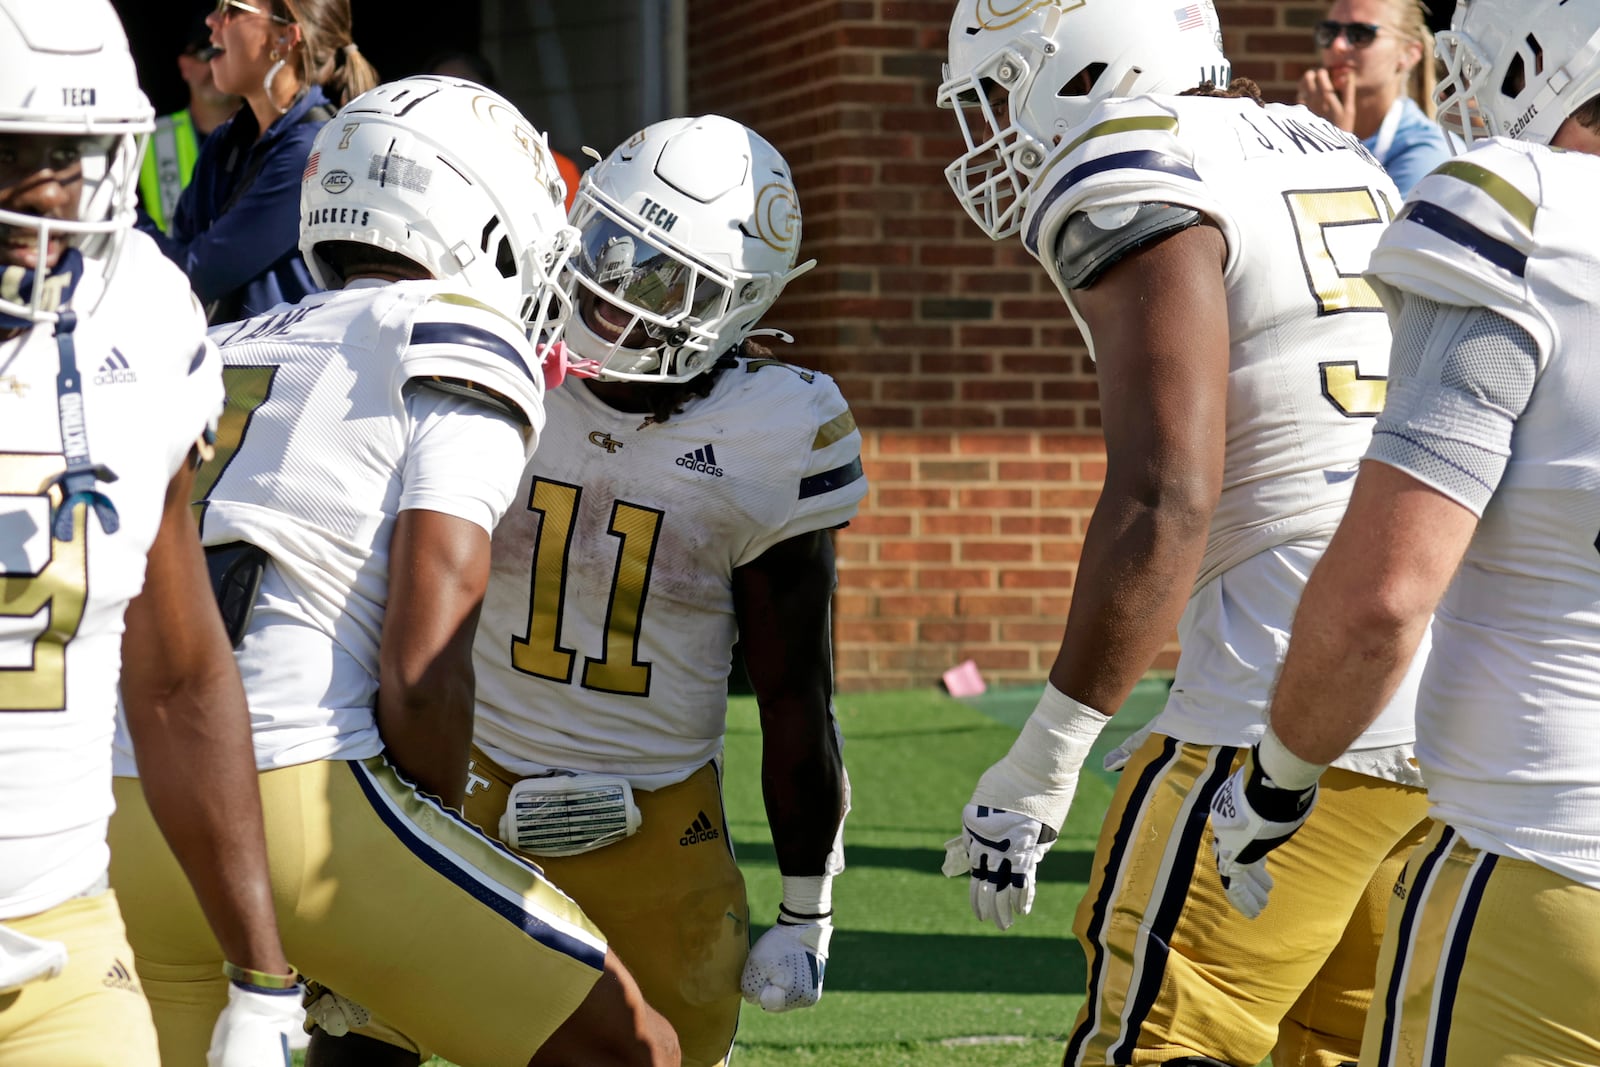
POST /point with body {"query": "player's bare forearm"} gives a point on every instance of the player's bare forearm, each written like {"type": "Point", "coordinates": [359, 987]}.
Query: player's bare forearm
{"type": "Point", "coordinates": [1137, 569]}
{"type": "Point", "coordinates": [187, 717]}
{"type": "Point", "coordinates": [438, 571]}
{"type": "Point", "coordinates": [1365, 610]}
{"type": "Point", "coordinates": [1159, 321]}
{"type": "Point", "coordinates": [802, 783]}
{"type": "Point", "coordinates": [782, 600]}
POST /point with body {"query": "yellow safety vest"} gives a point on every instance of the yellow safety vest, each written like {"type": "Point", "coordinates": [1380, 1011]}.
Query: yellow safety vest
{"type": "Point", "coordinates": [167, 166]}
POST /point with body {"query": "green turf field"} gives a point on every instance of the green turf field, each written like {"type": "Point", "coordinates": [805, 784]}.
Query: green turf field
{"type": "Point", "coordinates": [912, 977]}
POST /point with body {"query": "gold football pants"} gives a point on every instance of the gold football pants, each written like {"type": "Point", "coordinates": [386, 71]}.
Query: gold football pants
{"type": "Point", "coordinates": [1174, 970]}
{"type": "Point", "coordinates": [1486, 960]}
{"type": "Point", "coordinates": [93, 1013]}
{"type": "Point", "coordinates": [670, 900]}
{"type": "Point", "coordinates": [383, 895]}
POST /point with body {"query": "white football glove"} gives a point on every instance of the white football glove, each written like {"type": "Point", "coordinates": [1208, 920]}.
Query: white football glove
{"type": "Point", "coordinates": [784, 969]}
{"type": "Point", "coordinates": [1001, 851]}
{"type": "Point", "coordinates": [255, 1028]}
{"type": "Point", "coordinates": [1019, 804]}
{"type": "Point", "coordinates": [1250, 816]}
{"type": "Point", "coordinates": [1118, 757]}
{"type": "Point", "coordinates": [333, 1014]}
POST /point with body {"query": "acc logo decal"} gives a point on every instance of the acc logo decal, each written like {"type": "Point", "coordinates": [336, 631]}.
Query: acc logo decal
{"type": "Point", "coordinates": [777, 217]}
{"type": "Point", "coordinates": [337, 181]}
{"type": "Point", "coordinates": [1000, 14]}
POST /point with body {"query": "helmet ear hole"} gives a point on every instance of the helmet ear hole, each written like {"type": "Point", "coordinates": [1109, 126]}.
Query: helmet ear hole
{"type": "Point", "coordinates": [1083, 82]}
{"type": "Point", "coordinates": [505, 260]}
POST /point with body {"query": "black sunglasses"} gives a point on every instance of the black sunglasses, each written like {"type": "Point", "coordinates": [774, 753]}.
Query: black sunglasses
{"type": "Point", "coordinates": [1359, 34]}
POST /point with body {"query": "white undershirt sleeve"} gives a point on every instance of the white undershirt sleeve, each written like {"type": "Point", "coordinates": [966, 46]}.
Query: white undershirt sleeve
{"type": "Point", "coordinates": [463, 458]}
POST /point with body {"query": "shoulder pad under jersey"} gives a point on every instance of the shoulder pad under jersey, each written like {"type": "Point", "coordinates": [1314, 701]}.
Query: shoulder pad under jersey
{"type": "Point", "coordinates": [466, 346]}
{"type": "Point", "coordinates": [1466, 237]}
{"type": "Point", "coordinates": [802, 414]}
{"type": "Point", "coordinates": [1091, 242]}
{"type": "Point", "coordinates": [1126, 151]}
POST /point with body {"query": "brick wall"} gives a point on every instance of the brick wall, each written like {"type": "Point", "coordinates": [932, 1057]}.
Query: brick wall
{"type": "Point", "coordinates": [972, 388]}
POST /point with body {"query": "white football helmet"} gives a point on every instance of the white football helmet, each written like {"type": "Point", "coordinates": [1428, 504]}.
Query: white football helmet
{"type": "Point", "coordinates": [1021, 73]}
{"type": "Point", "coordinates": [688, 233]}
{"type": "Point", "coordinates": [1517, 68]}
{"type": "Point", "coordinates": [65, 71]}
{"type": "Point", "coordinates": [452, 176]}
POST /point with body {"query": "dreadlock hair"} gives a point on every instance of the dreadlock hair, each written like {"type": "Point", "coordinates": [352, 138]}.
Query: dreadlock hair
{"type": "Point", "coordinates": [668, 400]}
{"type": "Point", "coordinates": [1238, 89]}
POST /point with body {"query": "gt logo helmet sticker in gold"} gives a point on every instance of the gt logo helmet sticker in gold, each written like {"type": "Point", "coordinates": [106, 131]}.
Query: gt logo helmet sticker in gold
{"type": "Point", "coordinates": [498, 115]}
{"type": "Point", "coordinates": [777, 217]}
{"type": "Point", "coordinates": [1000, 14]}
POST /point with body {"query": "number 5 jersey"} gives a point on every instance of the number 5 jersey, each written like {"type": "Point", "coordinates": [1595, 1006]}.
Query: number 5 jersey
{"type": "Point", "coordinates": [1301, 205]}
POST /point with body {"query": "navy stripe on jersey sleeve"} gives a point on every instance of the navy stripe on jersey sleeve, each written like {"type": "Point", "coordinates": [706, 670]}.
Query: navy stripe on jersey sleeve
{"type": "Point", "coordinates": [1453, 227]}
{"type": "Point", "coordinates": [1137, 160]}
{"type": "Point", "coordinates": [455, 333]}
{"type": "Point", "coordinates": [828, 481]}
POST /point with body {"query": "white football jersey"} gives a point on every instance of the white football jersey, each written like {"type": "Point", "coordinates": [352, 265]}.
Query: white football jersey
{"type": "Point", "coordinates": [151, 383]}
{"type": "Point", "coordinates": [1301, 205]}
{"type": "Point", "coordinates": [606, 638]}
{"type": "Point", "coordinates": [1508, 718]}
{"type": "Point", "coordinates": [320, 449]}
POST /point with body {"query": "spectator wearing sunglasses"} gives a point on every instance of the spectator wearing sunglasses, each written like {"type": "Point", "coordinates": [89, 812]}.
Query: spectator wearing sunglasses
{"type": "Point", "coordinates": [1375, 71]}
{"type": "Point", "coordinates": [236, 230]}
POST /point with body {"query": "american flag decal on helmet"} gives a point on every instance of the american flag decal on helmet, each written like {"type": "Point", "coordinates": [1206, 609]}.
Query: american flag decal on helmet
{"type": "Point", "coordinates": [311, 166]}
{"type": "Point", "coordinates": [1189, 18]}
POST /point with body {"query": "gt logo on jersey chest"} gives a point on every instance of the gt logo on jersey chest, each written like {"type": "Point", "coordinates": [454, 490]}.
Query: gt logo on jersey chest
{"type": "Point", "coordinates": [604, 440]}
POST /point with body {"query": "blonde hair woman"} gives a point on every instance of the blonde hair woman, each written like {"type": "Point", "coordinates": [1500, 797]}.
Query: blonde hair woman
{"type": "Point", "coordinates": [236, 230]}
{"type": "Point", "coordinates": [1377, 68]}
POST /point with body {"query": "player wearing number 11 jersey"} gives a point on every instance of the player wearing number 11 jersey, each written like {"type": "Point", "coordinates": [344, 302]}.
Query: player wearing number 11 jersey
{"type": "Point", "coordinates": [681, 500]}
{"type": "Point", "coordinates": [1211, 249]}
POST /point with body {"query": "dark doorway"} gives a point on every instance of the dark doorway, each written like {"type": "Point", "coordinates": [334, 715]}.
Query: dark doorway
{"type": "Point", "coordinates": [397, 36]}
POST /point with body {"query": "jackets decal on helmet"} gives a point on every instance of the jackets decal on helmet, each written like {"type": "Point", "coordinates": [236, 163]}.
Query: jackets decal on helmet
{"type": "Point", "coordinates": [355, 216]}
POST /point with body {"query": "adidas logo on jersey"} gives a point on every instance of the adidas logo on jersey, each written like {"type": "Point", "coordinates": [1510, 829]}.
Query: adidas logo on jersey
{"type": "Point", "coordinates": [115, 370]}
{"type": "Point", "coordinates": [703, 460]}
{"type": "Point", "coordinates": [119, 977]}
{"type": "Point", "coordinates": [698, 831]}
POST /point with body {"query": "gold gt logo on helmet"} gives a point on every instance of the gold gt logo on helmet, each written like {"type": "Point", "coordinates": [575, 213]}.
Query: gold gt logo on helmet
{"type": "Point", "coordinates": [1002, 14]}
{"type": "Point", "coordinates": [777, 218]}
{"type": "Point", "coordinates": [503, 118]}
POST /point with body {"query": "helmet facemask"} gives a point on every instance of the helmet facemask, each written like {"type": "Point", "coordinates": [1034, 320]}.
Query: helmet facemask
{"type": "Point", "coordinates": [1516, 68]}
{"type": "Point", "coordinates": [992, 176]}
{"type": "Point", "coordinates": [66, 74]}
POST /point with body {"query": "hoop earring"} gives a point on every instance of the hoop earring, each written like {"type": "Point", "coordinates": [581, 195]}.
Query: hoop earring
{"type": "Point", "coordinates": [266, 82]}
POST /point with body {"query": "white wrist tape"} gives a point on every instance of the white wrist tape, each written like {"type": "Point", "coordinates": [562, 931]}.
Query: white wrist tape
{"type": "Point", "coordinates": [1286, 770]}
{"type": "Point", "coordinates": [1039, 775]}
{"type": "Point", "coordinates": [807, 898]}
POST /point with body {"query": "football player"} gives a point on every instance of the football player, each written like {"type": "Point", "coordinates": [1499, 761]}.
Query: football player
{"type": "Point", "coordinates": [1477, 499]}
{"type": "Point", "coordinates": [374, 434]}
{"type": "Point", "coordinates": [1210, 247]}
{"type": "Point", "coordinates": [682, 499]}
{"type": "Point", "coordinates": [107, 383]}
